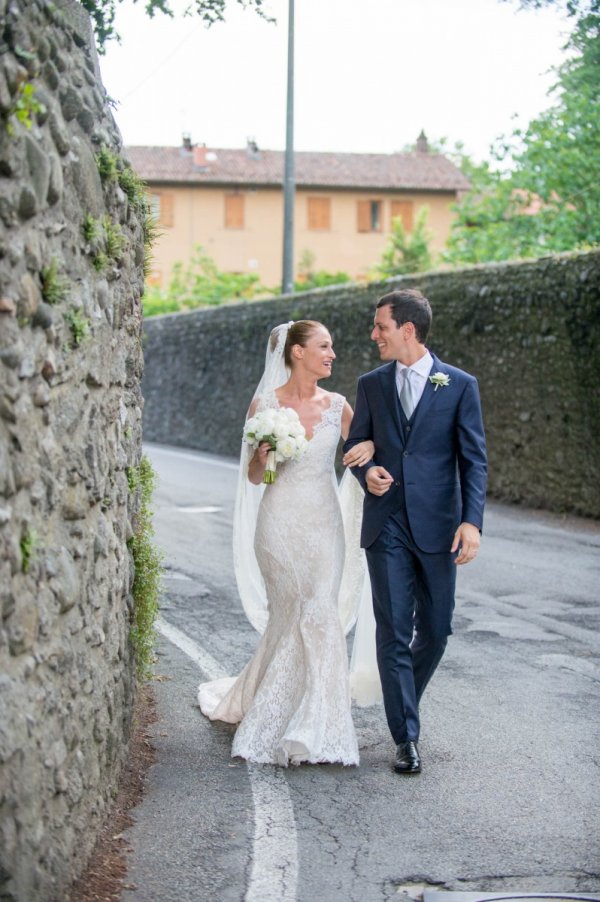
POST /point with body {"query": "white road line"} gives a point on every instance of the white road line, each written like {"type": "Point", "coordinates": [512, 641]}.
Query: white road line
{"type": "Point", "coordinates": [274, 873]}
{"type": "Point", "coordinates": [205, 661]}
{"type": "Point", "coordinates": [207, 509]}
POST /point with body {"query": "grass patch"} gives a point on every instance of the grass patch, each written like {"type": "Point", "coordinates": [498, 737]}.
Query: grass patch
{"type": "Point", "coordinates": [151, 232]}
{"type": "Point", "coordinates": [79, 325]}
{"type": "Point", "coordinates": [105, 239]}
{"type": "Point", "coordinates": [54, 286]}
{"type": "Point", "coordinates": [114, 239]}
{"type": "Point", "coordinates": [92, 229]}
{"type": "Point", "coordinates": [29, 542]}
{"type": "Point", "coordinates": [106, 162]}
{"type": "Point", "coordinates": [24, 107]}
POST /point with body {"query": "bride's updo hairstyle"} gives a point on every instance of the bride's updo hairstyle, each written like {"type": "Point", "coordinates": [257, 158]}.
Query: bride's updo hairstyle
{"type": "Point", "coordinates": [298, 334]}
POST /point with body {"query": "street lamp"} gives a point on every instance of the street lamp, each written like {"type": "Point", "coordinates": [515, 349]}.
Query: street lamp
{"type": "Point", "coordinates": [287, 284]}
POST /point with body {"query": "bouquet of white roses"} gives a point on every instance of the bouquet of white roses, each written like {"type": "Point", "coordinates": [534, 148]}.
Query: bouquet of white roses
{"type": "Point", "coordinates": [282, 429]}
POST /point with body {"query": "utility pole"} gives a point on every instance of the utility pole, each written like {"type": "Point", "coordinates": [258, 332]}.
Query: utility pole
{"type": "Point", "coordinates": [287, 283]}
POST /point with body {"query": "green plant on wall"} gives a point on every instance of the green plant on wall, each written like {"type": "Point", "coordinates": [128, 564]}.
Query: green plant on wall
{"type": "Point", "coordinates": [147, 560]}
{"type": "Point", "coordinates": [79, 325]}
{"type": "Point", "coordinates": [133, 186]}
{"type": "Point", "coordinates": [133, 478]}
{"type": "Point", "coordinates": [135, 189]}
{"type": "Point", "coordinates": [151, 232]}
{"type": "Point", "coordinates": [106, 161]}
{"type": "Point", "coordinates": [54, 286]}
{"type": "Point", "coordinates": [114, 239]}
{"type": "Point", "coordinates": [28, 544]}
{"type": "Point", "coordinates": [112, 168]}
{"type": "Point", "coordinates": [24, 107]}
{"type": "Point", "coordinates": [105, 239]}
{"type": "Point", "coordinates": [92, 230]}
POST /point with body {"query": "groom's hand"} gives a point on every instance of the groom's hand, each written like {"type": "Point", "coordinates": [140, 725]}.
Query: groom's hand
{"type": "Point", "coordinates": [466, 537]}
{"type": "Point", "coordinates": [378, 480]}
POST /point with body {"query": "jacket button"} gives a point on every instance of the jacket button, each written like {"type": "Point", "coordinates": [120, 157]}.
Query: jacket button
{"type": "Point", "coordinates": [405, 454]}
{"type": "Point", "coordinates": [408, 428]}
{"type": "Point", "coordinates": [397, 482]}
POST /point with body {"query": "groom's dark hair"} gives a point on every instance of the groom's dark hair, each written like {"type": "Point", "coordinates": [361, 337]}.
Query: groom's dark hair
{"type": "Point", "coordinates": [408, 305]}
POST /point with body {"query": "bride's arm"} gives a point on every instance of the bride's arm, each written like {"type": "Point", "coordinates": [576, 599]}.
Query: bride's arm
{"type": "Point", "coordinates": [362, 452]}
{"type": "Point", "coordinates": [258, 462]}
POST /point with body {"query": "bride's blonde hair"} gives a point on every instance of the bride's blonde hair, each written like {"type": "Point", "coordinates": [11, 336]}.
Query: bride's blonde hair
{"type": "Point", "coordinates": [298, 334]}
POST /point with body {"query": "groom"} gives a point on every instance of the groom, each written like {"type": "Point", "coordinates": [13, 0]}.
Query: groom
{"type": "Point", "coordinates": [423, 506]}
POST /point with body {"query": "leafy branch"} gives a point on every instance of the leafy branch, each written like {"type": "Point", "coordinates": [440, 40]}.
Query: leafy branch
{"type": "Point", "coordinates": [103, 13]}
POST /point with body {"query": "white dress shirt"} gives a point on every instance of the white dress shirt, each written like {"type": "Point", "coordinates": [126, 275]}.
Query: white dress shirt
{"type": "Point", "coordinates": [420, 372]}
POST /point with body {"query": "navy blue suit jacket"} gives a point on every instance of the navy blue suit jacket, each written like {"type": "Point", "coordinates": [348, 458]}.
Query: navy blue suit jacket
{"type": "Point", "coordinates": [439, 464]}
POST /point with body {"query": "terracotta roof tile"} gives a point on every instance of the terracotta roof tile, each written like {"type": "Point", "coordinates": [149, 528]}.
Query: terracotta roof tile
{"type": "Point", "coordinates": [207, 166]}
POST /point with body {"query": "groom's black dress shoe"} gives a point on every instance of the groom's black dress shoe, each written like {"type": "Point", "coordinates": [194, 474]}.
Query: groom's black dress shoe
{"type": "Point", "coordinates": [407, 758]}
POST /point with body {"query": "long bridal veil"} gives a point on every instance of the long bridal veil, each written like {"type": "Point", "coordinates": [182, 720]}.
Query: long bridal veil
{"type": "Point", "coordinates": [354, 599]}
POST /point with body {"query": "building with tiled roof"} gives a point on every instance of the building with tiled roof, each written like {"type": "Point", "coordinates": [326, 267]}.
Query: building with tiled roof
{"type": "Point", "coordinates": [231, 203]}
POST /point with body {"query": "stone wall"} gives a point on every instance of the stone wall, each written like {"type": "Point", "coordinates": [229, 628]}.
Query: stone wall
{"type": "Point", "coordinates": [530, 332]}
{"type": "Point", "coordinates": [70, 424]}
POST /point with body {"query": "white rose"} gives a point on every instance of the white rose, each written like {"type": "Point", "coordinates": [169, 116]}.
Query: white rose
{"type": "Point", "coordinates": [281, 431]}
{"type": "Point", "coordinates": [286, 448]}
{"type": "Point", "coordinates": [251, 425]}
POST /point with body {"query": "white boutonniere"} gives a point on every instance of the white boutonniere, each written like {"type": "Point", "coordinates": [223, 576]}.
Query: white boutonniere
{"type": "Point", "coordinates": [440, 379]}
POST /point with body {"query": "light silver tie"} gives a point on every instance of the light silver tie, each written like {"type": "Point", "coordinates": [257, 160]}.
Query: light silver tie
{"type": "Point", "coordinates": [406, 395]}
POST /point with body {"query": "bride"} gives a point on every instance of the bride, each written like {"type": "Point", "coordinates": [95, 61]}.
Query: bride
{"type": "Point", "coordinates": [292, 700]}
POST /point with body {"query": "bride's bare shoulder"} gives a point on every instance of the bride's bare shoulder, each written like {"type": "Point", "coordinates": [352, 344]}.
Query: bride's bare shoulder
{"type": "Point", "coordinates": [332, 397]}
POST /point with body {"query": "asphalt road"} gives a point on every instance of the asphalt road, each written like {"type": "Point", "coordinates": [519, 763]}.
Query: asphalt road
{"type": "Point", "coordinates": [509, 797]}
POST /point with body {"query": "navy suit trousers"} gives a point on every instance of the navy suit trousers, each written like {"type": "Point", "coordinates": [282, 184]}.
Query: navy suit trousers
{"type": "Point", "coordinates": [413, 602]}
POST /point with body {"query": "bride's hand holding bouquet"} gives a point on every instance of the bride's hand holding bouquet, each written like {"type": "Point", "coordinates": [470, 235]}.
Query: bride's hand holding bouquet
{"type": "Point", "coordinates": [276, 435]}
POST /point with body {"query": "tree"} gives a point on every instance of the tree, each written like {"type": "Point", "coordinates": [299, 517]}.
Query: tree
{"type": "Point", "coordinates": [547, 199]}
{"type": "Point", "coordinates": [309, 277]}
{"type": "Point", "coordinates": [572, 7]}
{"type": "Point", "coordinates": [407, 252]}
{"type": "Point", "coordinates": [201, 284]}
{"type": "Point", "coordinates": [103, 14]}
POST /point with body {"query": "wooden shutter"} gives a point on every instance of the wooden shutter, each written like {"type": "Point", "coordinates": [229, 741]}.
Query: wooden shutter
{"type": "Point", "coordinates": [363, 209]}
{"type": "Point", "coordinates": [404, 210]}
{"type": "Point", "coordinates": [234, 211]}
{"type": "Point", "coordinates": [319, 213]}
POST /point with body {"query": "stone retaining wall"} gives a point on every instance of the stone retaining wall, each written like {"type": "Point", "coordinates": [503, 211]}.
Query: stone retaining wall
{"type": "Point", "coordinates": [530, 332]}
{"type": "Point", "coordinates": [70, 426]}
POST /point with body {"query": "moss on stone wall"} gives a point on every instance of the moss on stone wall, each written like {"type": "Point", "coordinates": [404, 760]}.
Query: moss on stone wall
{"type": "Point", "coordinates": [530, 333]}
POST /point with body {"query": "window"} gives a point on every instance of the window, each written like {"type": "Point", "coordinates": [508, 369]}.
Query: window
{"type": "Point", "coordinates": [161, 205]}
{"type": "Point", "coordinates": [369, 215]}
{"type": "Point", "coordinates": [403, 209]}
{"type": "Point", "coordinates": [234, 211]}
{"type": "Point", "coordinates": [319, 214]}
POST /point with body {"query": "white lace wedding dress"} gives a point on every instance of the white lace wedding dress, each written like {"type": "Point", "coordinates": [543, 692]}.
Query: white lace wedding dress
{"type": "Point", "coordinates": [292, 700]}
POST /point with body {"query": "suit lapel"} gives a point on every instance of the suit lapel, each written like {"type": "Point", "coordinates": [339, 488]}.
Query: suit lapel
{"type": "Point", "coordinates": [390, 392]}
{"type": "Point", "coordinates": [428, 394]}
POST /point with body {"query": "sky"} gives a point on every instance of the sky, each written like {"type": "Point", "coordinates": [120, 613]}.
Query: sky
{"type": "Point", "coordinates": [369, 74]}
